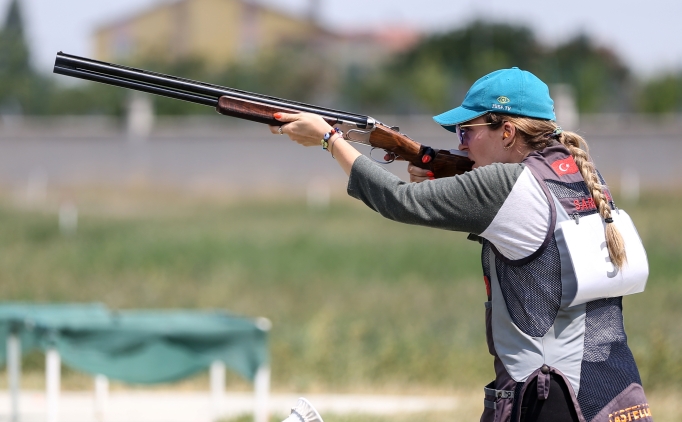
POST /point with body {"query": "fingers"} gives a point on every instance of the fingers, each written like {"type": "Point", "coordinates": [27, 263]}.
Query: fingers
{"type": "Point", "coordinates": [280, 130]}
{"type": "Point", "coordinates": [286, 117]}
{"type": "Point", "coordinates": [282, 117]}
{"type": "Point", "coordinates": [418, 175]}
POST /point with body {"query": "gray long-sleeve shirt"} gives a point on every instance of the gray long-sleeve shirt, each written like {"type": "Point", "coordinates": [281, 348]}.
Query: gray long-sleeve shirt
{"type": "Point", "coordinates": [503, 203]}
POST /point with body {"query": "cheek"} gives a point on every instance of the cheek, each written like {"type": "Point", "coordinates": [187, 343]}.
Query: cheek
{"type": "Point", "coordinates": [481, 150]}
{"type": "Point", "coordinates": [477, 145]}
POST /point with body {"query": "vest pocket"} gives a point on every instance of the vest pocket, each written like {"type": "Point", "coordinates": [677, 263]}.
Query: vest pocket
{"type": "Point", "coordinates": [489, 404]}
{"type": "Point", "coordinates": [497, 404]}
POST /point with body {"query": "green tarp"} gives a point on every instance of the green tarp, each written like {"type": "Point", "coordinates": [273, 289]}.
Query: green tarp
{"type": "Point", "coordinates": [152, 347]}
{"type": "Point", "coordinates": [35, 323]}
{"type": "Point", "coordinates": [147, 346]}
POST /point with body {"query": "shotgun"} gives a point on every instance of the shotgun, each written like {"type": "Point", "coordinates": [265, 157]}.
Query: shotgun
{"type": "Point", "coordinates": [260, 108]}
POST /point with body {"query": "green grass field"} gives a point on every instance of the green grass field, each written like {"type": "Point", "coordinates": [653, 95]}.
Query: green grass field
{"type": "Point", "coordinates": [358, 303]}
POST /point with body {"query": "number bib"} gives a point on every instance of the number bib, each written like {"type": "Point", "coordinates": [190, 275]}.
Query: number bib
{"type": "Point", "coordinates": [596, 276]}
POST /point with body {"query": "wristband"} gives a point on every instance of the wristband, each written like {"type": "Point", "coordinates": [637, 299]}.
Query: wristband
{"type": "Point", "coordinates": [331, 147]}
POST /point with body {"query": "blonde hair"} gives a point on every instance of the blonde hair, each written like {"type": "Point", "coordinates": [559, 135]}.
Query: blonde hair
{"type": "Point", "coordinates": [539, 134]}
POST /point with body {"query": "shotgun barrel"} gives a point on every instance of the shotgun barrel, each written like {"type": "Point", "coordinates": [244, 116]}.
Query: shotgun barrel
{"type": "Point", "coordinates": [185, 89]}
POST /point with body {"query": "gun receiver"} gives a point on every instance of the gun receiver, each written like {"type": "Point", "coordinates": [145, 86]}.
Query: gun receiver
{"type": "Point", "coordinates": [260, 108]}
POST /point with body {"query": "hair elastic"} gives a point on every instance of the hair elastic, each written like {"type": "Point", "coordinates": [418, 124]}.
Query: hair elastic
{"type": "Point", "coordinates": [608, 220]}
{"type": "Point", "coordinates": [558, 131]}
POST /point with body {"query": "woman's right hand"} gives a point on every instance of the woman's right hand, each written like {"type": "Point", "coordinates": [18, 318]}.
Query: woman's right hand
{"type": "Point", "coordinates": [418, 175]}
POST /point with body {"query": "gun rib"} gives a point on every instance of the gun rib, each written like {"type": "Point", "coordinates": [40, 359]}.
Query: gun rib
{"type": "Point", "coordinates": [151, 89]}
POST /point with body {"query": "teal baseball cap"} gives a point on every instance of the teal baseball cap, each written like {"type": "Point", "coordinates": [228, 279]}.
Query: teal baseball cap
{"type": "Point", "coordinates": [506, 91]}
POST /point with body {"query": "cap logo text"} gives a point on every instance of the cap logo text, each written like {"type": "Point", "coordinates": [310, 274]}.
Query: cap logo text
{"type": "Point", "coordinates": [503, 100]}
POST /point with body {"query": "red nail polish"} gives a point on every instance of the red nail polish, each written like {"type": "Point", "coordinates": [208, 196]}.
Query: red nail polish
{"type": "Point", "coordinates": [430, 174]}
{"type": "Point", "coordinates": [432, 178]}
{"type": "Point", "coordinates": [277, 115]}
{"type": "Point", "coordinates": [426, 159]}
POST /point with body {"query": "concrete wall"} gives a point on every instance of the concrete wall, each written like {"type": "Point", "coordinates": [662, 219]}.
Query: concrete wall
{"type": "Point", "coordinates": [216, 153]}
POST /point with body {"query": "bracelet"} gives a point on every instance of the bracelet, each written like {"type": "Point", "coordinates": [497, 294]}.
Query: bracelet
{"type": "Point", "coordinates": [331, 147]}
{"type": "Point", "coordinates": [325, 140]}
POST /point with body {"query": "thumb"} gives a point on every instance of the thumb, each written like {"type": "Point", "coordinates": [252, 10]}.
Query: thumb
{"type": "Point", "coordinates": [285, 117]}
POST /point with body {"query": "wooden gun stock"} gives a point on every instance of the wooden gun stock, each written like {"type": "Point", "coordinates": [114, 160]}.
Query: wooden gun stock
{"type": "Point", "coordinates": [441, 162]}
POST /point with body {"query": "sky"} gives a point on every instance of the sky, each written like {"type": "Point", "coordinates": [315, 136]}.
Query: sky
{"type": "Point", "coordinates": [647, 35]}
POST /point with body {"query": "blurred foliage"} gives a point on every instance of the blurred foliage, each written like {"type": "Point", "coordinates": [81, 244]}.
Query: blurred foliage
{"type": "Point", "coordinates": [438, 71]}
{"type": "Point", "coordinates": [475, 50]}
{"type": "Point", "coordinates": [662, 94]}
{"type": "Point", "coordinates": [20, 86]}
{"type": "Point", "coordinates": [431, 77]}
{"type": "Point", "coordinates": [600, 80]}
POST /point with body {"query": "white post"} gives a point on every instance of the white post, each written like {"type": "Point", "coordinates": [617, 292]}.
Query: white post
{"type": "Point", "coordinates": [565, 106]}
{"type": "Point", "coordinates": [262, 393]}
{"type": "Point", "coordinates": [14, 374]}
{"type": "Point", "coordinates": [217, 376]}
{"type": "Point", "coordinates": [53, 373]}
{"type": "Point", "coordinates": [140, 116]}
{"type": "Point", "coordinates": [629, 185]}
{"type": "Point", "coordinates": [68, 218]}
{"type": "Point", "coordinates": [101, 397]}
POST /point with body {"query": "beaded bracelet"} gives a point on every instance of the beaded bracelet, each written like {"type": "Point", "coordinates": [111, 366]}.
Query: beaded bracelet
{"type": "Point", "coordinates": [325, 140]}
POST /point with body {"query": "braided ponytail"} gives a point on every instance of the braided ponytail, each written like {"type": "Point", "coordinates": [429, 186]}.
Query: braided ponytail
{"type": "Point", "coordinates": [579, 150]}
{"type": "Point", "coordinates": [538, 134]}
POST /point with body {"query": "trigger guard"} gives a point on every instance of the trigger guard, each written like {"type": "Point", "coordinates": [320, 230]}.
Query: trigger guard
{"type": "Point", "coordinates": [382, 161]}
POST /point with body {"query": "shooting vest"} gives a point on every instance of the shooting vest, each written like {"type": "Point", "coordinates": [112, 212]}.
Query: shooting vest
{"type": "Point", "coordinates": [531, 331]}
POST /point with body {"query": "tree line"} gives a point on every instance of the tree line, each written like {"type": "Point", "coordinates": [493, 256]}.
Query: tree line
{"type": "Point", "coordinates": [430, 77]}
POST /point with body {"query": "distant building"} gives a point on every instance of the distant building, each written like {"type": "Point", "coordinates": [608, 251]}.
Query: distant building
{"type": "Point", "coordinates": [218, 31]}
{"type": "Point", "coordinates": [223, 31]}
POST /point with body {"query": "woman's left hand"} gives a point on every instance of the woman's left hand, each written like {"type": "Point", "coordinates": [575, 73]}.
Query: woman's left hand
{"type": "Point", "coordinates": [418, 175]}
{"type": "Point", "coordinates": [305, 128]}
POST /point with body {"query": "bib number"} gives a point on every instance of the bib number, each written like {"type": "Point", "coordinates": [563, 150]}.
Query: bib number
{"type": "Point", "coordinates": [596, 276]}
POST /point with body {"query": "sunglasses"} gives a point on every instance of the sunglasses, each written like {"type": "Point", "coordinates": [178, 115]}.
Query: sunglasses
{"type": "Point", "coordinates": [462, 131]}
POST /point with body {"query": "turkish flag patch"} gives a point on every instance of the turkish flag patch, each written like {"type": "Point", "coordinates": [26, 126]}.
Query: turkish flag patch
{"type": "Point", "coordinates": [565, 166]}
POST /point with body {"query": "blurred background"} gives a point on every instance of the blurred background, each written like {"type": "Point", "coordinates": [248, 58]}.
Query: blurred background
{"type": "Point", "coordinates": [137, 201]}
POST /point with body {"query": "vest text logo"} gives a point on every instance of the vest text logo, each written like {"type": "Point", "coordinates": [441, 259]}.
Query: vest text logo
{"type": "Point", "coordinates": [639, 412]}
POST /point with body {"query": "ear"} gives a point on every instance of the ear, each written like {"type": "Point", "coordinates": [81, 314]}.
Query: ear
{"type": "Point", "coordinates": [508, 133]}
{"type": "Point", "coordinates": [509, 128]}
